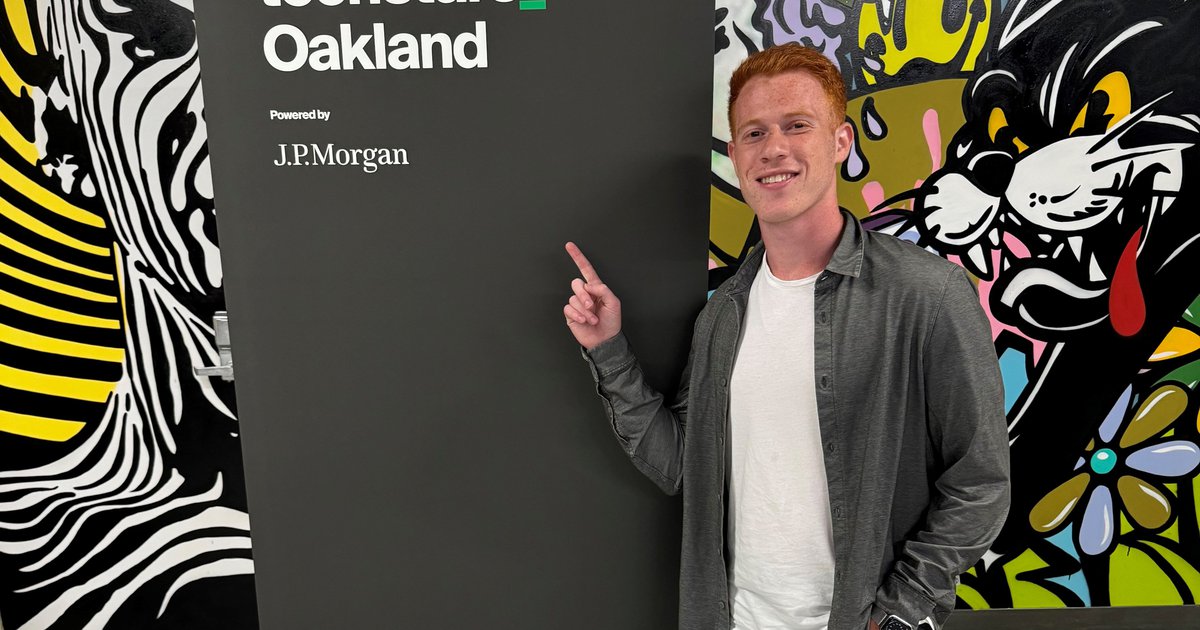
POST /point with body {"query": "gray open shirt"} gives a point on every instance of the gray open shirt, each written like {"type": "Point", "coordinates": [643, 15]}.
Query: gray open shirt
{"type": "Point", "coordinates": [911, 410]}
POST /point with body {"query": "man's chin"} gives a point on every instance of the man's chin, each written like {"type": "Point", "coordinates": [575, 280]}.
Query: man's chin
{"type": "Point", "coordinates": [774, 215]}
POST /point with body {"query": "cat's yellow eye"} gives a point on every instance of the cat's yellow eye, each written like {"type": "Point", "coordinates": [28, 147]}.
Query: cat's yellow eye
{"type": "Point", "coordinates": [1114, 85]}
{"type": "Point", "coordinates": [998, 121]}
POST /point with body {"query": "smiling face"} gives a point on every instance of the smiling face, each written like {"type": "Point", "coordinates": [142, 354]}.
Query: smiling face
{"type": "Point", "coordinates": [786, 146]}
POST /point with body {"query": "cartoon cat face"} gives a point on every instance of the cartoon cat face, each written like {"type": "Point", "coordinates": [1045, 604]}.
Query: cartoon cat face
{"type": "Point", "coordinates": [1067, 183]}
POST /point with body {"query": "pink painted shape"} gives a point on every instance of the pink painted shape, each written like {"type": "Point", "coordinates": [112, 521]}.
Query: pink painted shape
{"type": "Point", "coordinates": [872, 193]}
{"type": "Point", "coordinates": [1015, 246]}
{"type": "Point", "coordinates": [933, 138]}
{"type": "Point", "coordinates": [712, 264]}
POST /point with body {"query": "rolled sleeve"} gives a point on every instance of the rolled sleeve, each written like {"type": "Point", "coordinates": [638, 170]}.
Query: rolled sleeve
{"type": "Point", "coordinates": [649, 429]}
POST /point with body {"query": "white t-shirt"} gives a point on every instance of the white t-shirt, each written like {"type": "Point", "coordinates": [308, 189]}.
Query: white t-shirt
{"type": "Point", "coordinates": [780, 533]}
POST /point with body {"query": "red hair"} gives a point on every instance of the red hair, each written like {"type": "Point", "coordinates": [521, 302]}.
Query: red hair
{"type": "Point", "coordinates": [791, 57]}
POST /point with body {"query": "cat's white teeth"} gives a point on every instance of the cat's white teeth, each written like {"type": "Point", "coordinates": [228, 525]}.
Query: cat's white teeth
{"type": "Point", "coordinates": [994, 237]}
{"type": "Point", "coordinates": [1058, 250]}
{"type": "Point", "coordinates": [1161, 203]}
{"type": "Point", "coordinates": [1076, 243]}
{"type": "Point", "coordinates": [1121, 216]}
{"type": "Point", "coordinates": [1146, 232]}
{"type": "Point", "coordinates": [978, 257]}
{"type": "Point", "coordinates": [1015, 219]}
{"type": "Point", "coordinates": [1005, 262]}
{"type": "Point", "coordinates": [1045, 237]}
{"type": "Point", "coordinates": [1094, 272]}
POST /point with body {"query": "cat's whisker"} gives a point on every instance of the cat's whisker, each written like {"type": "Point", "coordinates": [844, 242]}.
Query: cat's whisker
{"type": "Point", "coordinates": [1187, 122]}
{"type": "Point", "coordinates": [1119, 129]}
{"type": "Point", "coordinates": [1137, 152]}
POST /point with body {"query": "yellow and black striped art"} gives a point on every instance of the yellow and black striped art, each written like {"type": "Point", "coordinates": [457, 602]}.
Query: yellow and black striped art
{"type": "Point", "coordinates": [61, 340]}
{"type": "Point", "coordinates": [122, 503]}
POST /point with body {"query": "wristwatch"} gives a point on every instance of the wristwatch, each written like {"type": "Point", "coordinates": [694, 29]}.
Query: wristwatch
{"type": "Point", "coordinates": [892, 622]}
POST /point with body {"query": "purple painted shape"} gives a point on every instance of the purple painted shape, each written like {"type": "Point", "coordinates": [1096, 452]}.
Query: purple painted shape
{"type": "Point", "coordinates": [856, 166]}
{"type": "Point", "coordinates": [1108, 429]}
{"type": "Point", "coordinates": [1169, 459]}
{"type": "Point", "coordinates": [1096, 532]}
{"type": "Point", "coordinates": [815, 23]}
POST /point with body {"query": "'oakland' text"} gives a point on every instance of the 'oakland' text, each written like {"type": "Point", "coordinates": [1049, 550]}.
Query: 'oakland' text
{"type": "Point", "coordinates": [374, 51]}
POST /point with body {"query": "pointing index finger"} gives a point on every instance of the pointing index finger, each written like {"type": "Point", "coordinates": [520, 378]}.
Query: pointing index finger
{"type": "Point", "coordinates": [585, 267]}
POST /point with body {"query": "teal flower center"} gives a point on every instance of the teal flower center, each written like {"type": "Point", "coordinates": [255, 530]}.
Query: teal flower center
{"type": "Point", "coordinates": [1103, 461]}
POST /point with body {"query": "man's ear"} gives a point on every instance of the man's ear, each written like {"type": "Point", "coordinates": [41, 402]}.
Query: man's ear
{"type": "Point", "coordinates": [729, 150]}
{"type": "Point", "coordinates": [843, 138]}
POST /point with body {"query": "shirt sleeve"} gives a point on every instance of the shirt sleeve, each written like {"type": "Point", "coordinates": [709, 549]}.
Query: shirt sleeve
{"type": "Point", "coordinates": [649, 428]}
{"type": "Point", "coordinates": [969, 436]}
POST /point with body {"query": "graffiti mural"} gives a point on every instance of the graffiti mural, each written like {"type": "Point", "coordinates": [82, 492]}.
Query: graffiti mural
{"type": "Point", "coordinates": [1048, 147]}
{"type": "Point", "coordinates": [122, 503]}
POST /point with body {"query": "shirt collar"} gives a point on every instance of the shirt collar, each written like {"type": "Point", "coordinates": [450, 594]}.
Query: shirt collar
{"type": "Point", "coordinates": [847, 256]}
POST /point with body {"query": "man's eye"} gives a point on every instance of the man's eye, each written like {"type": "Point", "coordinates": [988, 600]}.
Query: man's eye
{"type": "Point", "coordinates": [799, 125]}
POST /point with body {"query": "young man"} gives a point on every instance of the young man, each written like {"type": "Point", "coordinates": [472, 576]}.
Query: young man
{"type": "Point", "coordinates": [839, 434]}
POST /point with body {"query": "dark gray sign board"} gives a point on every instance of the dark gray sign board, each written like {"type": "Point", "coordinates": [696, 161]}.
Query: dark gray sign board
{"type": "Point", "coordinates": [423, 445]}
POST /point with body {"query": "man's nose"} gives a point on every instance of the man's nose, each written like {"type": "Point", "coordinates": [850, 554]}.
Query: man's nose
{"type": "Point", "coordinates": [775, 146]}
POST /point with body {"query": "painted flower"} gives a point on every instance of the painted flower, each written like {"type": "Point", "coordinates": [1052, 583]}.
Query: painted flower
{"type": "Point", "coordinates": [1123, 470]}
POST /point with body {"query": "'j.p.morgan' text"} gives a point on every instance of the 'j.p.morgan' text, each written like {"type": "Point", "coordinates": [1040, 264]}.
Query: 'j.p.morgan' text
{"type": "Point", "coordinates": [369, 160]}
{"type": "Point", "coordinates": [288, 49]}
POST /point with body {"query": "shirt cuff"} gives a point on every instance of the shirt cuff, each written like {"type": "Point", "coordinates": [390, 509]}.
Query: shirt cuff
{"type": "Point", "coordinates": [609, 357]}
{"type": "Point", "coordinates": [897, 597]}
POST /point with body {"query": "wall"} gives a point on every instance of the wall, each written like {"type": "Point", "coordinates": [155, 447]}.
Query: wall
{"type": "Point", "coordinates": [1048, 147]}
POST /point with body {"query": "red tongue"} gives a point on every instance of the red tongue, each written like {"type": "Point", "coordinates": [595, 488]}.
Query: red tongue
{"type": "Point", "coordinates": [1126, 306]}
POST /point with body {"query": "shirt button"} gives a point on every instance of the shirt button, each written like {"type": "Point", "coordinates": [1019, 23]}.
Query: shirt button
{"type": "Point", "coordinates": [837, 512]}
{"type": "Point", "coordinates": [724, 383]}
{"type": "Point", "coordinates": [721, 605]}
{"type": "Point", "coordinates": [831, 447]}
{"type": "Point", "coordinates": [822, 317]}
{"type": "Point", "coordinates": [825, 381]}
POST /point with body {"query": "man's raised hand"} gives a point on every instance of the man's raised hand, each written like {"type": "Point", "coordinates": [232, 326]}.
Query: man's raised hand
{"type": "Point", "coordinates": [593, 312]}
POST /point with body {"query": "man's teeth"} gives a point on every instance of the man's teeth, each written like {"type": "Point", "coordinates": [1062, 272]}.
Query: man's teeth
{"type": "Point", "coordinates": [773, 179]}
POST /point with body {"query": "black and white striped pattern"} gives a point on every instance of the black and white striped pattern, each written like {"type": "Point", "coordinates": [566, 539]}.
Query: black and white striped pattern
{"type": "Point", "coordinates": [121, 491]}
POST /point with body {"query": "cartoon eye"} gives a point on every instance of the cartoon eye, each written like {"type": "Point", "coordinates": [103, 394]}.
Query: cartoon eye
{"type": "Point", "coordinates": [998, 122]}
{"type": "Point", "coordinates": [1113, 93]}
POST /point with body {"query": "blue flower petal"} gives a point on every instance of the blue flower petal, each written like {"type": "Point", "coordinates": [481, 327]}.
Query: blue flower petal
{"type": "Point", "coordinates": [1096, 532]}
{"type": "Point", "coordinates": [1108, 428]}
{"type": "Point", "coordinates": [1168, 459]}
